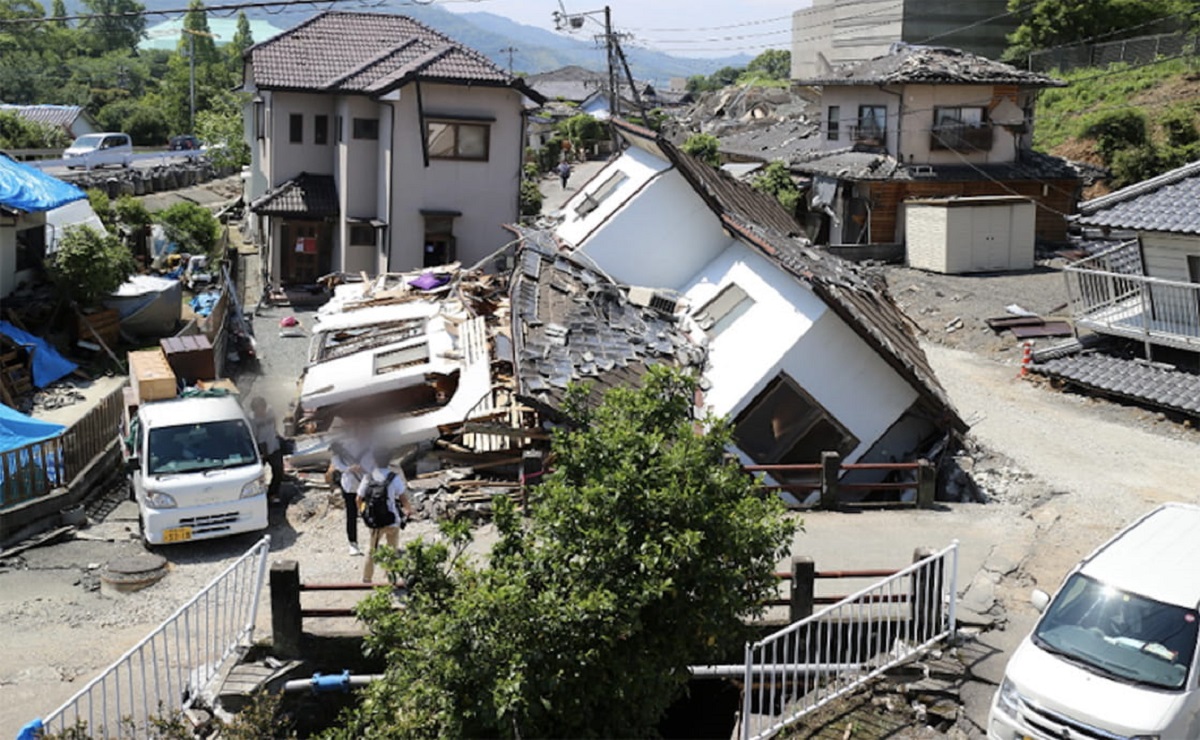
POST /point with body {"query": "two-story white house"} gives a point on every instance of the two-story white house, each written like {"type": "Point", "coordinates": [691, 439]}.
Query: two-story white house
{"type": "Point", "coordinates": [805, 352]}
{"type": "Point", "coordinates": [378, 144]}
{"type": "Point", "coordinates": [926, 123]}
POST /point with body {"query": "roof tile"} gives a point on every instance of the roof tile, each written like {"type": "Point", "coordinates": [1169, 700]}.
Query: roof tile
{"type": "Point", "coordinates": [304, 195]}
{"type": "Point", "coordinates": [910, 64]}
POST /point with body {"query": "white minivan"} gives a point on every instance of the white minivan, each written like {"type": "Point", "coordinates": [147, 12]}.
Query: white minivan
{"type": "Point", "coordinates": [1113, 655]}
{"type": "Point", "coordinates": [195, 471]}
{"type": "Point", "coordinates": [97, 150]}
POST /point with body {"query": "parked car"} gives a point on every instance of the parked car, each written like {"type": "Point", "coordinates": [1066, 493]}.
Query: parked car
{"type": "Point", "coordinates": [195, 470]}
{"type": "Point", "coordinates": [1114, 652]}
{"type": "Point", "coordinates": [97, 150]}
{"type": "Point", "coordinates": [184, 143]}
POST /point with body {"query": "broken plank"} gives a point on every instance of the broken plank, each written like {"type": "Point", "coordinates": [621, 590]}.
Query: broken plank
{"type": "Point", "coordinates": [500, 430]}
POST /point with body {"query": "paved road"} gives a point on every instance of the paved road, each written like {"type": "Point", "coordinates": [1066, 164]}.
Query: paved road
{"type": "Point", "coordinates": [555, 196]}
{"type": "Point", "coordinates": [141, 161]}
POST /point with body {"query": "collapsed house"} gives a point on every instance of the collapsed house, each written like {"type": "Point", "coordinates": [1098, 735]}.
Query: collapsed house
{"type": "Point", "coordinates": [805, 352]}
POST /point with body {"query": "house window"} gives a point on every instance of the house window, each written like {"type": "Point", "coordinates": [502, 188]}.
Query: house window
{"type": "Point", "coordinates": [296, 128]}
{"type": "Point", "coordinates": [834, 119]}
{"type": "Point", "coordinates": [872, 123]}
{"type": "Point", "coordinates": [439, 240]}
{"type": "Point", "coordinates": [726, 306]}
{"type": "Point", "coordinates": [958, 116]}
{"type": "Point", "coordinates": [961, 128]}
{"type": "Point", "coordinates": [457, 140]}
{"type": "Point", "coordinates": [362, 235]}
{"type": "Point", "coordinates": [259, 119]}
{"type": "Point", "coordinates": [337, 134]}
{"type": "Point", "coordinates": [366, 128]}
{"type": "Point", "coordinates": [785, 425]}
{"type": "Point", "coordinates": [320, 130]}
{"type": "Point", "coordinates": [592, 200]}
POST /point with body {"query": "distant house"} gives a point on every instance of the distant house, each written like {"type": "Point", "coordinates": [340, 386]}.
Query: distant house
{"type": "Point", "coordinates": [72, 120]}
{"type": "Point", "coordinates": [1146, 285]}
{"type": "Point", "coordinates": [587, 90]}
{"type": "Point", "coordinates": [927, 122]}
{"type": "Point", "coordinates": [26, 196]}
{"type": "Point", "coordinates": [378, 144]}
{"type": "Point", "coordinates": [805, 353]}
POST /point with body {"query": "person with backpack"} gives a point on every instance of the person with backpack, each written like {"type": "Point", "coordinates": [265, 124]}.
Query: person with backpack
{"type": "Point", "coordinates": [385, 510]}
{"type": "Point", "coordinates": [350, 456]}
{"type": "Point", "coordinates": [564, 172]}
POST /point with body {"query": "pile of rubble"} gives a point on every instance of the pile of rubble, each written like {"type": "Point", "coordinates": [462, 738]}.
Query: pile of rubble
{"type": "Point", "coordinates": [738, 108]}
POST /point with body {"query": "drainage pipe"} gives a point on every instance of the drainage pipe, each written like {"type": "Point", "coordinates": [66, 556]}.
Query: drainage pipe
{"type": "Point", "coordinates": [325, 684]}
{"type": "Point", "coordinates": [738, 670]}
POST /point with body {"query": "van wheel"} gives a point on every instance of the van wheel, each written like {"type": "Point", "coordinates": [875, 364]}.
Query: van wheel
{"type": "Point", "coordinates": [142, 535]}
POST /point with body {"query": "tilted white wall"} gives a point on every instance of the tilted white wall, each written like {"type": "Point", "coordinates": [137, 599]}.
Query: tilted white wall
{"type": "Point", "coordinates": [1166, 255]}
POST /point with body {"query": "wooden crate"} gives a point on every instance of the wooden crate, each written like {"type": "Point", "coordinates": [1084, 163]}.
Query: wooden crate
{"type": "Point", "coordinates": [190, 357]}
{"type": "Point", "coordinates": [151, 376]}
{"type": "Point", "coordinates": [107, 324]}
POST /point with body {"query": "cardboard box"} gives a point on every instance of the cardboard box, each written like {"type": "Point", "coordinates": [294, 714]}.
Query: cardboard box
{"type": "Point", "coordinates": [150, 375]}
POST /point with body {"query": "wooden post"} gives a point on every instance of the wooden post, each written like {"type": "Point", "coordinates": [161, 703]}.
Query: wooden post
{"type": "Point", "coordinates": [926, 600]}
{"type": "Point", "coordinates": [286, 622]}
{"type": "Point", "coordinates": [831, 466]}
{"type": "Point", "coordinates": [926, 484]}
{"type": "Point", "coordinates": [804, 577]}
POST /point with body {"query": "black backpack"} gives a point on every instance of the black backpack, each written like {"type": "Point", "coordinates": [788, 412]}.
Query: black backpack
{"type": "Point", "coordinates": [376, 514]}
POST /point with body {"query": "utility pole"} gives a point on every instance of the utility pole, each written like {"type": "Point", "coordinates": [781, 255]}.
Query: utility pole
{"type": "Point", "coordinates": [565, 21]}
{"type": "Point", "coordinates": [510, 50]}
{"type": "Point", "coordinates": [192, 74]}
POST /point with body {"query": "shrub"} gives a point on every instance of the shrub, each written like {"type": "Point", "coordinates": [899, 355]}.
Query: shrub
{"type": "Point", "coordinates": [1116, 130]}
{"type": "Point", "coordinates": [89, 265]}
{"type": "Point", "coordinates": [777, 181]}
{"type": "Point", "coordinates": [191, 227]}
{"type": "Point", "coordinates": [531, 194]}
{"type": "Point", "coordinates": [704, 146]}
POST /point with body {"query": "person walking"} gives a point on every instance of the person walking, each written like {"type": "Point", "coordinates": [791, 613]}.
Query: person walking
{"type": "Point", "coordinates": [382, 496]}
{"type": "Point", "coordinates": [266, 435]}
{"type": "Point", "coordinates": [351, 456]}
{"type": "Point", "coordinates": [564, 172]}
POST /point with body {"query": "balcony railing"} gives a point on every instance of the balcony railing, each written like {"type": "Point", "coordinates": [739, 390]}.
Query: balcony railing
{"type": "Point", "coordinates": [870, 135]}
{"type": "Point", "coordinates": [962, 138]}
{"type": "Point", "coordinates": [1109, 294]}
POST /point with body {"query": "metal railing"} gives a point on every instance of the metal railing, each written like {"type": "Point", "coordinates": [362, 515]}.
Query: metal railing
{"type": "Point", "coordinates": [36, 470]}
{"type": "Point", "coordinates": [176, 663]}
{"type": "Point", "coordinates": [1108, 293]}
{"type": "Point", "coordinates": [809, 664]}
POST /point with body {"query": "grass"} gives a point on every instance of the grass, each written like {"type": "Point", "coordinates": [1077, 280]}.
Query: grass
{"type": "Point", "coordinates": [1061, 112]}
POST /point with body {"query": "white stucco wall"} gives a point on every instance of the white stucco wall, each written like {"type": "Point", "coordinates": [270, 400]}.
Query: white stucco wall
{"type": "Point", "coordinates": [485, 192]}
{"type": "Point", "coordinates": [286, 159]}
{"type": "Point", "coordinates": [1165, 255]}
{"type": "Point", "coordinates": [630, 238]}
{"type": "Point", "coordinates": [848, 98]}
{"type": "Point", "coordinates": [790, 330]}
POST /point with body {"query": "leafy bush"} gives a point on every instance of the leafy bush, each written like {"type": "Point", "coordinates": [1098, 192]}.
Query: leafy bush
{"type": "Point", "coordinates": [130, 212]}
{"type": "Point", "coordinates": [193, 228]}
{"type": "Point", "coordinates": [89, 265]}
{"type": "Point", "coordinates": [776, 180]}
{"type": "Point", "coordinates": [704, 146]}
{"type": "Point", "coordinates": [1116, 130]}
{"type": "Point", "coordinates": [531, 194]}
{"type": "Point", "coordinates": [1179, 126]}
{"type": "Point", "coordinates": [583, 131]}
{"type": "Point", "coordinates": [143, 120]}
{"type": "Point", "coordinates": [645, 552]}
{"type": "Point", "coordinates": [100, 203]}
{"type": "Point", "coordinates": [18, 133]}
{"type": "Point", "coordinates": [1135, 164]}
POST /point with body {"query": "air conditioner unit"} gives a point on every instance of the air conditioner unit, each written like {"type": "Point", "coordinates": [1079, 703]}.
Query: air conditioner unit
{"type": "Point", "coordinates": [659, 300]}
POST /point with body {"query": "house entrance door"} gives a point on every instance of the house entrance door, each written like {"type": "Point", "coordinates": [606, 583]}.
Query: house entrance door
{"type": "Point", "coordinates": [306, 255]}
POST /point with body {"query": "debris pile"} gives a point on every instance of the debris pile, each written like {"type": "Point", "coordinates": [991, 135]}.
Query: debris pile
{"type": "Point", "coordinates": [741, 108]}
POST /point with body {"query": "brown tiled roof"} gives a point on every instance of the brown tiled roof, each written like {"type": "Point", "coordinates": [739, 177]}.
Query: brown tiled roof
{"type": "Point", "coordinates": [304, 195]}
{"type": "Point", "coordinates": [931, 65]}
{"type": "Point", "coordinates": [721, 191]}
{"type": "Point", "coordinates": [863, 302]}
{"type": "Point", "coordinates": [370, 53]}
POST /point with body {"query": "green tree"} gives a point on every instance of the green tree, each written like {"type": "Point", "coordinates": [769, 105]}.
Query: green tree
{"type": "Point", "coordinates": [582, 131]}
{"type": "Point", "coordinates": [89, 264]}
{"type": "Point", "coordinates": [647, 550]}
{"type": "Point", "coordinates": [531, 194]}
{"type": "Point", "coordinates": [221, 129]}
{"type": "Point", "coordinates": [117, 25]}
{"type": "Point", "coordinates": [776, 180]}
{"type": "Point", "coordinates": [130, 212]}
{"type": "Point", "coordinates": [1047, 23]}
{"type": "Point", "coordinates": [193, 228]}
{"type": "Point", "coordinates": [197, 37]}
{"type": "Point", "coordinates": [725, 76]}
{"type": "Point", "coordinates": [773, 64]}
{"type": "Point", "coordinates": [18, 133]}
{"type": "Point", "coordinates": [58, 9]}
{"type": "Point", "coordinates": [705, 146]}
{"type": "Point", "coordinates": [144, 121]}
{"type": "Point", "coordinates": [242, 38]}
{"type": "Point", "coordinates": [1116, 130]}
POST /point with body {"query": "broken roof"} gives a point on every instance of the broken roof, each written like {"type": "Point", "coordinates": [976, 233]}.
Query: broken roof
{"type": "Point", "coordinates": [850, 163]}
{"type": "Point", "coordinates": [783, 140]}
{"type": "Point", "coordinates": [571, 323]}
{"type": "Point", "coordinates": [1163, 203]}
{"type": "Point", "coordinates": [863, 302]}
{"type": "Point", "coordinates": [723, 194]}
{"type": "Point", "coordinates": [304, 195]}
{"type": "Point", "coordinates": [369, 53]}
{"type": "Point", "coordinates": [909, 64]}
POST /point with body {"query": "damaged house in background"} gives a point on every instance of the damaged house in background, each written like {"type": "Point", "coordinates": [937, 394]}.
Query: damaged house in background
{"type": "Point", "coordinates": [805, 353]}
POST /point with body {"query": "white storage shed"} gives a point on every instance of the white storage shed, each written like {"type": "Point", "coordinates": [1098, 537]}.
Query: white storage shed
{"type": "Point", "coordinates": [971, 234]}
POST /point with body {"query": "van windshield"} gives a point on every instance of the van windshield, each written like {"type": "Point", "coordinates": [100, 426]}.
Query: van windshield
{"type": "Point", "coordinates": [210, 445]}
{"type": "Point", "coordinates": [1121, 635]}
{"type": "Point", "coordinates": [90, 140]}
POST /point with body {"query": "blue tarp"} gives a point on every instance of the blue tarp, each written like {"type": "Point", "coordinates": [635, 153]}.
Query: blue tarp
{"type": "Point", "coordinates": [24, 188]}
{"type": "Point", "coordinates": [18, 430]}
{"type": "Point", "coordinates": [48, 364]}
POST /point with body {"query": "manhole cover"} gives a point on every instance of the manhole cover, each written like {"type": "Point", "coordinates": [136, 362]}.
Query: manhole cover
{"type": "Point", "coordinates": [125, 575]}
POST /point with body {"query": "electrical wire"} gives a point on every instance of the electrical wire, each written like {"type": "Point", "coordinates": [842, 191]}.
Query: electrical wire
{"type": "Point", "coordinates": [279, 6]}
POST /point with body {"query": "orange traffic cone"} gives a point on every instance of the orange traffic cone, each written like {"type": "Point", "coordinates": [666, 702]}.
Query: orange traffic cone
{"type": "Point", "coordinates": [1026, 359]}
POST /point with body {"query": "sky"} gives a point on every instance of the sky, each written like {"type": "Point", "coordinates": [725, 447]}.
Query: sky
{"type": "Point", "coordinates": [682, 27]}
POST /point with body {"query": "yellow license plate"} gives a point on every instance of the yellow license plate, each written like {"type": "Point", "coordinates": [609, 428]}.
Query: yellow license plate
{"type": "Point", "coordinates": [178, 534]}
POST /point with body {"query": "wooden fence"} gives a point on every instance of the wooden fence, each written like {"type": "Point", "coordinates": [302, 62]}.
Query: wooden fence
{"type": "Point", "coordinates": [35, 470]}
{"type": "Point", "coordinates": [827, 475]}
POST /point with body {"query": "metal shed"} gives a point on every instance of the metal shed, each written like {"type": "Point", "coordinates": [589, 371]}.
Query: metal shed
{"type": "Point", "coordinates": [972, 234]}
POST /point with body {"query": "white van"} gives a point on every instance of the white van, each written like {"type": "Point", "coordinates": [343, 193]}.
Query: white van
{"type": "Point", "coordinates": [1113, 655]}
{"type": "Point", "coordinates": [195, 470]}
{"type": "Point", "coordinates": [97, 150]}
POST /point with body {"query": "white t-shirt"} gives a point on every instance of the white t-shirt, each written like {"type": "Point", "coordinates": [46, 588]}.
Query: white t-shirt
{"type": "Point", "coordinates": [355, 452]}
{"type": "Point", "coordinates": [397, 487]}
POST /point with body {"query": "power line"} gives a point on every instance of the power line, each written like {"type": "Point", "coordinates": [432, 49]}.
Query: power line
{"type": "Point", "coordinates": [762, 22]}
{"type": "Point", "coordinates": [830, 22]}
{"type": "Point", "coordinates": [283, 6]}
